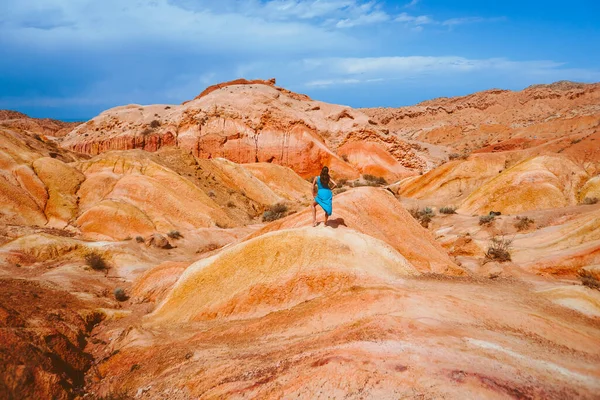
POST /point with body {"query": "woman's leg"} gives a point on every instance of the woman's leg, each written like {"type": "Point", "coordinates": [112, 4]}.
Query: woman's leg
{"type": "Point", "coordinates": [314, 212]}
{"type": "Point", "coordinates": [326, 217]}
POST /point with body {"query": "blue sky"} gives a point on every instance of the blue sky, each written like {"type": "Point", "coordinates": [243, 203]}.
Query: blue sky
{"type": "Point", "coordinates": [76, 58]}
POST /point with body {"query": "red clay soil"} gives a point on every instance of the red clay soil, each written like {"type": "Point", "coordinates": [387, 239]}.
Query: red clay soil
{"type": "Point", "coordinates": [42, 340]}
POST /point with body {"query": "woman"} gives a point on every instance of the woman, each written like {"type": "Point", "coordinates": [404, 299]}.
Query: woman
{"type": "Point", "coordinates": [323, 195]}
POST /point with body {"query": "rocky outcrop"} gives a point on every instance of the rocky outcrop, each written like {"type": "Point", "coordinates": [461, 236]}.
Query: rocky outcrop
{"type": "Point", "coordinates": [536, 115]}
{"type": "Point", "coordinates": [245, 122]}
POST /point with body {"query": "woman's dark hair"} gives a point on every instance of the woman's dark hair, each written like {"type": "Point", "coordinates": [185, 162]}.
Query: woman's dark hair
{"type": "Point", "coordinates": [325, 177]}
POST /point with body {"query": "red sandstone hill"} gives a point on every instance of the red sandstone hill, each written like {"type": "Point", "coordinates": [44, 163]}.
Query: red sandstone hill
{"type": "Point", "coordinates": [224, 304]}
{"type": "Point", "coordinates": [41, 126]}
{"type": "Point", "coordinates": [255, 121]}
{"type": "Point", "coordinates": [545, 116]}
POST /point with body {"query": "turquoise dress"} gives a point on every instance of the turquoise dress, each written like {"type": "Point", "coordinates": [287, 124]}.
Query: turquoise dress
{"type": "Point", "coordinates": [324, 197]}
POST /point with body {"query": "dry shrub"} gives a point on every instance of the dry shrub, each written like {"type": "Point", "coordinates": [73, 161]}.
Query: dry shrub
{"type": "Point", "coordinates": [120, 294]}
{"type": "Point", "coordinates": [456, 156]}
{"type": "Point", "coordinates": [154, 124]}
{"type": "Point", "coordinates": [146, 131]}
{"type": "Point", "coordinates": [486, 219]}
{"type": "Point", "coordinates": [589, 280]}
{"type": "Point", "coordinates": [523, 223]}
{"type": "Point", "coordinates": [230, 204]}
{"type": "Point", "coordinates": [499, 249]}
{"type": "Point", "coordinates": [448, 210]}
{"type": "Point", "coordinates": [139, 239]}
{"type": "Point", "coordinates": [208, 247]}
{"type": "Point", "coordinates": [378, 180]}
{"type": "Point", "coordinates": [96, 261]}
{"type": "Point", "coordinates": [175, 235]}
{"type": "Point", "coordinates": [590, 200]}
{"type": "Point", "coordinates": [424, 216]}
{"type": "Point", "coordinates": [275, 212]}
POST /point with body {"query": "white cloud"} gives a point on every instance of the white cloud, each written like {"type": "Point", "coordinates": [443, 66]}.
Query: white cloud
{"type": "Point", "coordinates": [417, 20]}
{"type": "Point", "coordinates": [412, 3]}
{"type": "Point", "coordinates": [427, 20]}
{"type": "Point", "coordinates": [426, 70]}
{"type": "Point", "coordinates": [365, 19]}
{"type": "Point", "coordinates": [111, 23]}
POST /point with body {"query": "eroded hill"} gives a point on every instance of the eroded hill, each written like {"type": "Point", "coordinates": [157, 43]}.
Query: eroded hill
{"type": "Point", "coordinates": [167, 251]}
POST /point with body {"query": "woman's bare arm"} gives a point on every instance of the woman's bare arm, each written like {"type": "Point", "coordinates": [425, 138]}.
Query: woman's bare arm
{"type": "Point", "coordinates": [314, 186]}
{"type": "Point", "coordinates": [334, 184]}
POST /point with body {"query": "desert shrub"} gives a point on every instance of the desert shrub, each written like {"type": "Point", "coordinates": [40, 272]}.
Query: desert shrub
{"type": "Point", "coordinates": [146, 131]}
{"type": "Point", "coordinates": [174, 235]}
{"type": "Point", "coordinates": [139, 239]}
{"type": "Point", "coordinates": [342, 181]}
{"type": "Point", "coordinates": [448, 210]}
{"type": "Point", "coordinates": [499, 249]}
{"type": "Point", "coordinates": [208, 247]}
{"type": "Point", "coordinates": [590, 200]}
{"type": "Point", "coordinates": [96, 261]}
{"type": "Point", "coordinates": [589, 280]}
{"type": "Point", "coordinates": [457, 156]}
{"type": "Point", "coordinates": [154, 124]}
{"type": "Point", "coordinates": [375, 179]}
{"type": "Point", "coordinates": [523, 223]}
{"type": "Point", "coordinates": [486, 219]}
{"type": "Point", "coordinates": [211, 194]}
{"type": "Point", "coordinates": [275, 212]}
{"type": "Point", "coordinates": [230, 204]}
{"type": "Point", "coordinates": [345, 157]}
{"type": "Point", "coordinates": [575, 141]}
{"type": "Point", "coordinates": [424, 216]}
{"type": "Point", "coordinates": [167, 107]}
{"type": "Point", "coordinates": [120, 294]}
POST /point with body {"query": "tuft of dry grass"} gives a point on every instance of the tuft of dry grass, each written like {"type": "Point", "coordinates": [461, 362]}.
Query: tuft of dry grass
{"type": "Point", "coordinates": [499, 249]}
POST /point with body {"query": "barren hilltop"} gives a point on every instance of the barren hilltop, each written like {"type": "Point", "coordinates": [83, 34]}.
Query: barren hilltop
{"type": "Point", "coordinates": [167, 251]}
